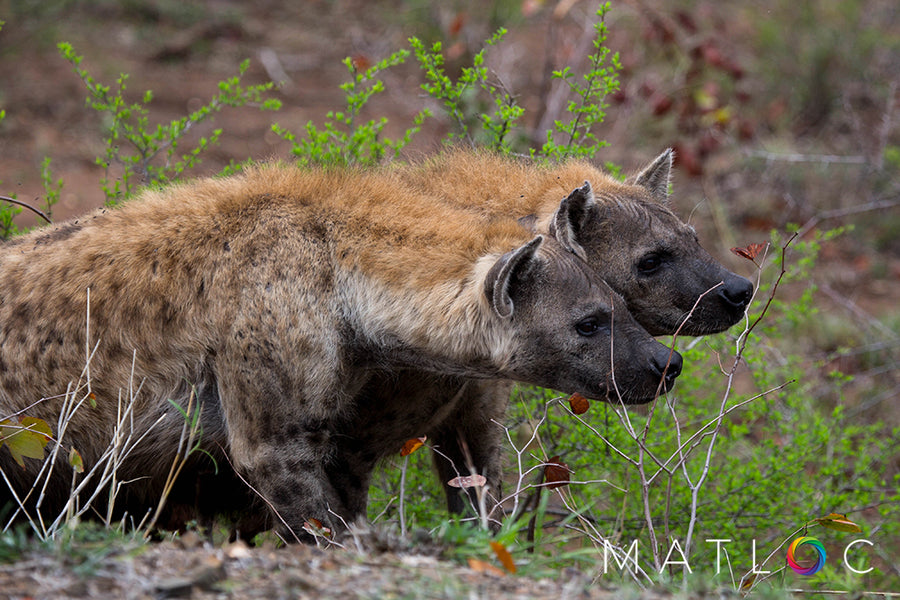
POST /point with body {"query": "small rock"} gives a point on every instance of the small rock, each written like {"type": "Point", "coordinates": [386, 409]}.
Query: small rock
{"type": "Point", "coordinates": [238, 549]}
{"type": "Point", "coordinates": [78, 589]}
{"type": "Point", "coordinates": [205, 577]}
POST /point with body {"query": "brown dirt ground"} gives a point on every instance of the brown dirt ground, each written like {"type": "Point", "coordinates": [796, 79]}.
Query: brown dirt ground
{"type": "Point", "coordinates": [188, 569]}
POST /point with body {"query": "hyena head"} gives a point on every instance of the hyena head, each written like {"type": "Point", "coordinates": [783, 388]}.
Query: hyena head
{"type": "Point", "coordinates": [647, 254]}
{"type": "Point", "coordinates": [571, 331]}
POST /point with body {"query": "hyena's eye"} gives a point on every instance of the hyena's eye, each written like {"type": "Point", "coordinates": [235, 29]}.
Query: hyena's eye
{"type": "Point", "coordinates": [649, 263]}
{"type": "Point", "coordinates": [588, 327]}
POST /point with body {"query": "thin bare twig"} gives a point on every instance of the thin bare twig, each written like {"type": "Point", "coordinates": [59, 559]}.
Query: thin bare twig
{"type": "Point", "coordinates": [693, 441]}
{"type": "Point", "coordinates": [714, 434]}
{"type": "Point", "coordinates": [812, 158]}
{"type": "Point", "coordinates": [846, 212]}
{"type": "Point", "coordinates": [36, 211]}
{"type": "Point", "coordinates": [853, 308]}
{"type": "Point", "coordinates": [742, 341]}
{"type": "Point", "coordinates": [190, 430]}
{"type": "Point", "coordinates": [642, 439]}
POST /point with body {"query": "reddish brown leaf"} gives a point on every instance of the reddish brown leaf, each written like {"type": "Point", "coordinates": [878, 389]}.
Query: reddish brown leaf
{"type": "Point", "coordinates": [412, 445]}
{"type": "Point", "coordinates": [686, 158]}
{"type": "Point", "coordinates": [467, 481]}
{"type": "Point", "coordinates": [579, 404]}
{"type": "Point", "coordinates": [746, 129]}
{"type": "Point", "coordinates": [504, 557]}
{"type": "Point", "coordinates": [686, 21]}
{"type": "Point", "coordinates": [707, 144]}
{"type": "Point", "coordinates": [315, 527]}
{"type": "Point", "coordinates": [361, 62]}
{"type": "Point", "coordinates": [659, 30]}
{"type": "Point", "coordinates": [750, 252]}
{"type": "Point", "coordinates": [457, 24]}
{"type": "Point", "coordinates": [480, 566]}
{"type": "Point", "coordinates": [556, 473]}
{"type": "Point", "coordinates": [734, 69]}
{"type": "Point", "coordinates": [713, 55]}
{"type": "Point", "coordinates": [747, 581]}
{"type": "Point", "coordinates": [662, 105]}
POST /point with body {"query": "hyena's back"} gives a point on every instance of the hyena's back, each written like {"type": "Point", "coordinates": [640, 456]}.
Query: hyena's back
{"type": "Point", "coordinates": [156, 280]}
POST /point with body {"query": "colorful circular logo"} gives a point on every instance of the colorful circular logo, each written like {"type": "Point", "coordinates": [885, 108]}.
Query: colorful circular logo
{"type": "Point", "coordinates": [812, 543]}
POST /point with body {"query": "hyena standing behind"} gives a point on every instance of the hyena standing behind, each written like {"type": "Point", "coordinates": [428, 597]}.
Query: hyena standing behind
{"type": "Point", "coordinates": [274, 296]}
{"type": "Point", "coordinates": [624, 231]}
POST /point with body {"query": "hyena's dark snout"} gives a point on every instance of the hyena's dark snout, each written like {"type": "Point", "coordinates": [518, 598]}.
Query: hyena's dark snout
{"type": "Point", "coordinates": [667, 364]}
{"type": "Point", "coordinates": [736, 293]}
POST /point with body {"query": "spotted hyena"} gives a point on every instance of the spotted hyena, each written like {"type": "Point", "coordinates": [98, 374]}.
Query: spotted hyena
{"type": "Point", "coordinates": [625, 231]}
{"type": "Point", "coordinates": [274, 299]}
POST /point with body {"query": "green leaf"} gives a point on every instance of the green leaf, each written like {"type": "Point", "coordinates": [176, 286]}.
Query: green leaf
{"type": "Point", "coordinates": [76, 461]}
{"type": "Point", "coordinates": [25, 437]}
{"type": "Point", "coordinates": [838, 522]}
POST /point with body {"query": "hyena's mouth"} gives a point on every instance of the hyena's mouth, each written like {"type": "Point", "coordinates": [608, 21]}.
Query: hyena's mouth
{"type": "Point", "coordinates": [628, 396]}
{"type": "Point", "coordinates": [630, 399]}
{"type": "Point", "coordinates": [666, 369]}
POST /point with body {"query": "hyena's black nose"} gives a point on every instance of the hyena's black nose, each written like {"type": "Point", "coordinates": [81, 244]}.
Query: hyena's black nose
{"type": "Point", "coordinates": [737, 292]}
{"type": "Point", "coordinates": [669, 362]}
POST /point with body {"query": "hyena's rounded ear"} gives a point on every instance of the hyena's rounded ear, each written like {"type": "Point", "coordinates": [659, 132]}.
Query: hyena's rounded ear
{"type": "Point", "coordinates": [570, 218]}
{"type": "Point", "coordinates": [655, 177]}
{"type": "Point", "coordinates": [499, 280]}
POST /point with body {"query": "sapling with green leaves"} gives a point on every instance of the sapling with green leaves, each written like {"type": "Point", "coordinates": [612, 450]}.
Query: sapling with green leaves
{"type": "Point", "coordinates": [343, 139]}
{"type": "Point", "coordinates": [576, 137]}
{"type": "Point", "coordinates": [150, 155]}
{"type": "Point", "coordinates": [455, 96]}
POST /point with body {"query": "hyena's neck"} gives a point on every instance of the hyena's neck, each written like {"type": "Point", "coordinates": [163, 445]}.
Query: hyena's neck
{"type": "Point", "coordinates": [449, 327]}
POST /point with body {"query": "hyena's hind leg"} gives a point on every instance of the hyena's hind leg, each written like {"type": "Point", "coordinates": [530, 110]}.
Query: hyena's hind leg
{"type": "Point", "coordinates": [469, 442]}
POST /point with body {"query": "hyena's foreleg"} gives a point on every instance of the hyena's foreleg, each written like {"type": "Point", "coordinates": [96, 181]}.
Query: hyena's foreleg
{"type": "Point", "coordinates": [282, 410]}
